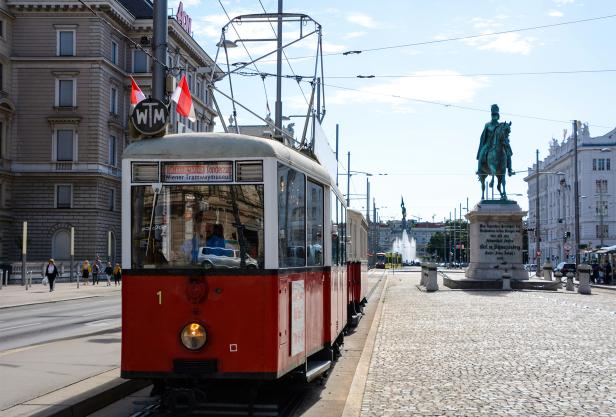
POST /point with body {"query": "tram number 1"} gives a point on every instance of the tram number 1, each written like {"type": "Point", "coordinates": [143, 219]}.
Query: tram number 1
{"type": "Point", "coordinates": [160, 297]}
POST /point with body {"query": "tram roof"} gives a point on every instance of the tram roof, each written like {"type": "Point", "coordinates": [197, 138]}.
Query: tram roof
{"type": "Point", "coordinates": [195, 146]}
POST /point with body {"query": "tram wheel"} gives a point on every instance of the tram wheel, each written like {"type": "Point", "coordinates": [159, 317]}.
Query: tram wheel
{"type": "Point", "coordinates": [207, 265]}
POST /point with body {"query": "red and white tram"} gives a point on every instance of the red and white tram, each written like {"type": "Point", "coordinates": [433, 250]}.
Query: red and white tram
{"type": "Point", "coordinates": [234, 260]}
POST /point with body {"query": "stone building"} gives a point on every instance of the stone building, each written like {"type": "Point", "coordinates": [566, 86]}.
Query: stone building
{"type": "Point", "coordinates": [64, 107]}
{"type": "Point", "coordinates": [597, 187]}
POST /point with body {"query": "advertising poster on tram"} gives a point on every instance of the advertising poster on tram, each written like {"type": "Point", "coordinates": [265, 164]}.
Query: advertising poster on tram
{"type": "Point", "coordinates": [298, 313]}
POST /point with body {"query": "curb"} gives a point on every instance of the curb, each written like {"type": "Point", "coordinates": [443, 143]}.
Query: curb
{"type": "Point", "coordinates": [352, 406]}
{"type": "Point", "coordinates": [95, 399]}
{"type": "Point", "coordinates": [53, 301]}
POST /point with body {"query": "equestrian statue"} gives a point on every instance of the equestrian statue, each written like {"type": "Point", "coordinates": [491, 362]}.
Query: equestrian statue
{"type": "Point", "coordinates": [494, 154]}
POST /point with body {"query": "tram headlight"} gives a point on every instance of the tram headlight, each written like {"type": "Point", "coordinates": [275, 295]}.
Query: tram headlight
{"type": "Point", "coordinates": [193, 336]}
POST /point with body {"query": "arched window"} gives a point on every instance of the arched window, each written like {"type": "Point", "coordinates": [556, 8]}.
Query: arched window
{"type": "Point", "coordinates": [60, 245]}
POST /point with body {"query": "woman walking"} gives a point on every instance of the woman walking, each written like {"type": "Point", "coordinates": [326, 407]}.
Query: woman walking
{"type": "Point", "coordinates": [108, 273]}
{"type": "Point", "coordinates": [117, 274]}
{"type": "Point", "coordinates": [85, 271]}
{"type": "Point", "coordinates": [51, 272]}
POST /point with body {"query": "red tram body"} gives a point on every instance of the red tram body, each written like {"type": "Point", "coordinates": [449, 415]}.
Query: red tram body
{"type": "Point", "coordinates": [277, 292]}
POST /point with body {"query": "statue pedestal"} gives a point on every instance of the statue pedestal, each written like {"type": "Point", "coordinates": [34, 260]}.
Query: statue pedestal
{"type": "Point", "coordinates": [496, 231]}
{"type": "Point", "coordinates": [496, 241]}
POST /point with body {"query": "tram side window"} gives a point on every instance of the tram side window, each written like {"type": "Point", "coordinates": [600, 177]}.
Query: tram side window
{"type": "Point", "coordinates": [334, 220]}
{"type": "Point", "coordinates": [291, 217]}
{"type": "Point", "coordinates": [314, 220]}
{"type": "Point", "coordinates": [342, 232]}
{"type": "Point", "coordinates": [198, 226]}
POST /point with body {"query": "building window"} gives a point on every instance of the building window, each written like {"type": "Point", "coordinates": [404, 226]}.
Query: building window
{"type": "Point", "coordinates": [113, 101]}
{"type": "Point", "coordinates": [601, 208]}
{"type": "Point", "coordinates": [66, 43]}
{"type": "Point", "coordinates": [140, 61]}
{"type": "Point", "coordinates": [1, 28]}
{"type": "Point", "coordinates": [607, 164]}
{"type": "Point", "coordinates": [64, 195]}
{"type": "Point", "coordinates": [112, 150]}
{"type": "Point", "coordinates": [111, 199]}
{"type": "Point", "coordinates": [2, 144]}
{"type": "Point", "coordinates": [594, 164]}
{"type": "Point", "coordinates": [601, 164]}
{"type": "Point", "coordinates": [114, 52]}
{"type": "Point", "coordinates": [601, 186]}
{"type": "Point", "coordinates": [602, 231]}
{"type": "Point", "coordinates": [1, 194]}
{"type": "Point", "coordinates": [1, 77]}
{"type": "Point", "coordinates": [65, 93]}
{"type": "Point", "coordinates": [65, 145]}
{"type": "Point", "coordinates": [198, 89]}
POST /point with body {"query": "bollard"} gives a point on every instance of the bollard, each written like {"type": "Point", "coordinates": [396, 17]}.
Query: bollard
{"type": "Point", "coordinates": [424, 274]}
{"type": "Point", "coordinates": [570, 286]}
{"type": "Point", "coordinates": [506, 282]}
{"type": "Point", "coordinates": [584, 277]}
{"type": "Point", "coordinates": [558, 276]}
{"type": "Point", "coordinates": [431, 283]}
{"type": "Point", "coordinates": [547, 271]}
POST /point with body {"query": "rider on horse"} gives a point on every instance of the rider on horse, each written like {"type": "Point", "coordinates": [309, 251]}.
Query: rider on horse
{"type": "Point", "coordinates": [488, 139]}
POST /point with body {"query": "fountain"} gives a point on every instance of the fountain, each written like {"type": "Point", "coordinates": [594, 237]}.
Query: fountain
{"type": "Point", "coordinates": [406, 247]}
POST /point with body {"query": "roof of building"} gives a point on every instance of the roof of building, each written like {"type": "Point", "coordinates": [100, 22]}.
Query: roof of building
{"type": "Point", "coordinates": [141, 9]}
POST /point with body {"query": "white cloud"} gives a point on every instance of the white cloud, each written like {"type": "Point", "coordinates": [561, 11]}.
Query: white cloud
{"type": "Point", "coordinates": [555, 13]}
{"type": "Point", "coordinates": [563, 2]}
{"type": "Point", "coordinates": [509, 43]}
{"type": "Point", "coordinates": [362, 20]}
{"type": "Point", "coordinates": [333, 48]}
{"type": "Point", "coordinates": [353, 35]}
{"type": "Point", "coordinates": [444, 86]}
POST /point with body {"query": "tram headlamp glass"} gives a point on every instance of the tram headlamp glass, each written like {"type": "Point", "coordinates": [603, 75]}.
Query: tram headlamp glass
{"type": "Point", "coordinates": [193, 336]}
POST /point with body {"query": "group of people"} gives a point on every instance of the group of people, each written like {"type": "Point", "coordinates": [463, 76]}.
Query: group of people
{"type": "Point", "coordinates": [602, 273]}
{"type": "Point", "coordinates": [95, 269]}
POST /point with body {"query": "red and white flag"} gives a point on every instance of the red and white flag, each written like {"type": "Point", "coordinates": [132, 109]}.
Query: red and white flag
{"type": "Point", "coordinates": [182, 97]}
{"type": "Point", "coordinates": [136, 95]}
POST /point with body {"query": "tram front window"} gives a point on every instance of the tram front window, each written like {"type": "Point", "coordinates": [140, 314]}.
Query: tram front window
{"type": "Point", "coordinates": [197, 226]}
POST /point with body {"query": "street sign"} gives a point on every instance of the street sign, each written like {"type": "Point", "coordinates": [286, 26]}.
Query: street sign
{"type": "Point", "coordinates": [150, 116]}
{"type": "Point", "coordinates": [567, 247]}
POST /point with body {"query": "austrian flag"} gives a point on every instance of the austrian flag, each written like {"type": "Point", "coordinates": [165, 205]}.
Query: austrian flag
{"type": "Point", "coordinates": [136, 95]}
{"type": "Point", "coordinates": [182, 97]}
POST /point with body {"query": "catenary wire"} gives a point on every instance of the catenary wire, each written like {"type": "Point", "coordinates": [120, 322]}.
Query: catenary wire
{"type": "Point", "coordinates": [464, 37]}
{"type": "Point", "coordinates": [285, 57]}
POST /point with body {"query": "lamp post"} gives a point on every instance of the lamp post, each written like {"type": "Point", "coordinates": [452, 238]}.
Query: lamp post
{"type": "Point", "coordinates": [576, 193]}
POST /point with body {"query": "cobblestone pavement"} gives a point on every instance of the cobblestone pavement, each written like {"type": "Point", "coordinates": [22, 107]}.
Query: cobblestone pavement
{"type": "Point", "coordinates": [470, 353]}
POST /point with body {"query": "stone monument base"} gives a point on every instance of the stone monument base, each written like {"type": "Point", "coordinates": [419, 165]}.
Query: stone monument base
{"type": "Point", "coordinates": [456, 283]}
{"type": "Point", "coordinates": [495, 246]}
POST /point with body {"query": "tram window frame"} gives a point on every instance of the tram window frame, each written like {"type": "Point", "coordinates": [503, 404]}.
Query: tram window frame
{"type": "Point", "coordinates": [184, 223]}
{"type": "Point", "coordinates": [314, 238]}
{"type": "Point", "coordinates": [291, 255]}
{"type": "Point", "coordinates": [333, 203]}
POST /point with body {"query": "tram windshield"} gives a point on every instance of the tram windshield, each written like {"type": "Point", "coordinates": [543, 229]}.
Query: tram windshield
{"type": "Point", "coordinates": [197, 226]}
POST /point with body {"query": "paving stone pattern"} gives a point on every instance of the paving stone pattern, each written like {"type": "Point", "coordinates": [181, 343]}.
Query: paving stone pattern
{"type": "Point", "coordinates": [458, 353]}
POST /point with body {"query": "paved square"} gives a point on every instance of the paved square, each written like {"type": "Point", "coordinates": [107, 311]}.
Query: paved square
{"type": "Point", "coordinates": [459, 353]}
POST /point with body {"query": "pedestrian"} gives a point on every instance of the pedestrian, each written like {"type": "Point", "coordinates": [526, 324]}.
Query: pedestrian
{"type": "Point", "coordinates": [85, 271]}
{"type": "Point", "coordinates": [108, 273]}
{"type": "Point", "coordinates": [117, 275]}
{"type": "Point", "coordinates": [608, 273]}
{"type": "Point", "coordinates": [96, 269]}
{"type": "Point", "coordinates": [51, 272]}
{"type": "Point", "coordinates": [595, 273]}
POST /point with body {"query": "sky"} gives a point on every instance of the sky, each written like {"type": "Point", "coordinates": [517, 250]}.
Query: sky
{"type": "Point", "coordinates": [428, 150]}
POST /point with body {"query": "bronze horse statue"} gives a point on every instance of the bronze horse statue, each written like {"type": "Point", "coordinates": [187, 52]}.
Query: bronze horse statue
{"type": "Point", "coordinates": [495, 161]}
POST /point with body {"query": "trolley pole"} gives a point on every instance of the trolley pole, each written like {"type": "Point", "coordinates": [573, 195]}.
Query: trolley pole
{"type": "Point", "coordinates": [576, 193]}
{"type": "Point", "coordinates": [159, 49]}
{"type": "Point", "coordinates": [278, 109]}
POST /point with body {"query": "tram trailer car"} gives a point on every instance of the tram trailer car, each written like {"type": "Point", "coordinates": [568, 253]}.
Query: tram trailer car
{"type": "Point", "coordinates": [234, 261]}
{"type": "Point", "coordinates": [357, 264]}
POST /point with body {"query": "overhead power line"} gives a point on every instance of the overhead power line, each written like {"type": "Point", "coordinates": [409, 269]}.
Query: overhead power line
{"type": "Point", "coordinates": [456, 106]}
{"type": "Point", "coordinates": [479, 74]}
{"type": "Point", "coordinates": [463, 37]}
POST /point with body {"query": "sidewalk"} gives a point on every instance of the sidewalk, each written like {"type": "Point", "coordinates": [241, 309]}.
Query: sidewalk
{"type": "Point", "coordinates": [490, 354]}
{"type": "Point", "coordinates": [16, 295]}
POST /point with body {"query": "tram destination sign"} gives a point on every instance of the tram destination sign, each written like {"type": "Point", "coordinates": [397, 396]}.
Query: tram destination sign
{"type": "Point", "coordinates": [150, 116]}
{"type": "Point", "coordinates": [187, 172]}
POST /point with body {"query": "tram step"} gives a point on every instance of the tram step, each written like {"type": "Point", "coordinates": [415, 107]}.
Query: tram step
{"type": "Point", "coordinates": [316, 368]}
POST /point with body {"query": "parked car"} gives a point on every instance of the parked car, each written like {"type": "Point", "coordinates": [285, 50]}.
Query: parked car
{"type": "Point", "coordinates": [565, 268]}
{"type": "Point", "coordinates": [210, 257]}
{"type": "Point", "coordinates": [530, 267]}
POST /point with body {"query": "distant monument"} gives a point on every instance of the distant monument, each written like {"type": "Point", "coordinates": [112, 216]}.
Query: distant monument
{"type": "Point", "coordinates": [404, 225]}
{"type": "Point", "coordinates": [495, 224]}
